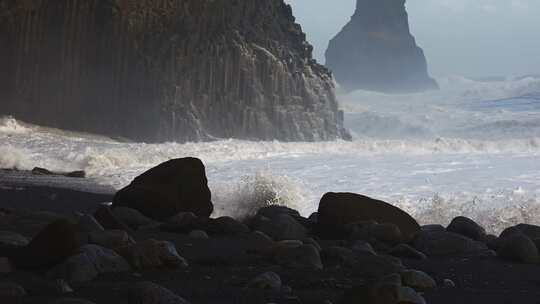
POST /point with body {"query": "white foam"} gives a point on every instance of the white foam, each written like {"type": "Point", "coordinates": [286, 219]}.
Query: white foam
{"type": "Point", "coordinates": [436, 154]}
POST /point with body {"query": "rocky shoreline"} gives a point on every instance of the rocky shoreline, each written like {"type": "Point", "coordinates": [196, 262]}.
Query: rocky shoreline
{"type": "Point", "coordinates": [157, 243]}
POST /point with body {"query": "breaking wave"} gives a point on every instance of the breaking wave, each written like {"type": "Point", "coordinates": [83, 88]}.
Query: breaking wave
{"type": "Point", "coordinates": [470, 149]}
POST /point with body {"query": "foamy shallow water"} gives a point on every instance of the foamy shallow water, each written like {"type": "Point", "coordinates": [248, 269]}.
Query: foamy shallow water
{"type": "Point", "coordinates": [466, 150]}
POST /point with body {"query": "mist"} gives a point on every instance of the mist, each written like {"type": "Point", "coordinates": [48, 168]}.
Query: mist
{"type": "Point", "coordinates": [474, 38]}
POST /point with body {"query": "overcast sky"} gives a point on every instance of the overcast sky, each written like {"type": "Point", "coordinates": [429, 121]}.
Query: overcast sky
{"type": "Point", "coordinates": [463, 37]}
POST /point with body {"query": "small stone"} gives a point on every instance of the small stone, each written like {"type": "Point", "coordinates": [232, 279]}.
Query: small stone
{"type": "Point", "coordinates": [62, 287]}
{"type": "Point", "coordinates": [406, 251]}
{"type": "Point", "coordinates": [151, 293]}
{"type": "Point", "coordinates": [198, 234]}
{"type": "Point", "coordinates": [363, 248]}
{"type": "Point", "coordinates": [11, 290]}
{"type": "Point", "coordinates": [297, 256]}
{"type": "Point", "coordinates": [41, 171]}
{"type": "Point", "coordinates": [447, 283]}
{"type": "Point", "coordinates": [182, 222]}
{"type": "Point", "coordinates": [12, 239]}
{"type": "Point", "coordinates": [152, 254]}
{"type": "Point", "coordinates": [410, 296]}
{"type": "Point", "coordinates": [108, 220]}
{"type": "Point", "coordinates": [88, 224]}
{"type": "Point", "coordinates": [311, 241]}
{"type": "Point", "coordinates": [110, 239]}
{"type": "Point", "coordinates": [446, 244]}
{"type": "Point", "coordinates": [76, 174]}
{"type": "Point", "coordinates": [467, 227]}
{"type": "Point", "coordinates": [131, 217]}
{"type": "Point", "coordinates": [418, 280]}
{"type": "Point", "coordinates": [87, 265]}
{"type": "Point", "coordinates": [226, 225]}
{"type": "Point", "coordinates": [519, 248]}
{"type": "Point", "coordinates": [280, 227]}
{"type": "Point", "coordinates": [268, 280]}
{"type": "Point", "coordinates": [338, 256]}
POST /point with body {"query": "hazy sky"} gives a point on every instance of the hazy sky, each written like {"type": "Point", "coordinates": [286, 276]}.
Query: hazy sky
{"type": "Point", "coordinates": [464, 37]}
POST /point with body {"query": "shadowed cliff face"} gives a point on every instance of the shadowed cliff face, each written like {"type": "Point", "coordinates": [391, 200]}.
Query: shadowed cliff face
{"type": "Point", "coordinates": [376, 51]}
{"type": "Point", "coordinates": [157, 70]}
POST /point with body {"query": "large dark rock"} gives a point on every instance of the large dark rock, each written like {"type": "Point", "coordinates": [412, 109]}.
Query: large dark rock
{"type": "Point", "coordinates": [175, 186]}
{"type": "Point", "coordinates": [467, 227]}
{"type": "Point", "coordinates": [152, 70]}
{"type": "Point", "coordinates": [336, 210]}
{"type": "Point", "coordinates": [376, 51]}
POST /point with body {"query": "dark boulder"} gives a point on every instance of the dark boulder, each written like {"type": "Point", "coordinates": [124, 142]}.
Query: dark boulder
{"type": "Point", "coordinates": [225, 226]}
{"type": "Point", "coordinates": [519, 248]}
{"type": "Point", "coordinates": [108, 220]}
{"type": "Point", "coordinates": [178, 185]}
{"type": "Point", "coordinates": [339, 209]}
{"type": "Point", "coordinates": [52, 245]}
{"type": "Point", "coordinates": [467, 227]}
{"type": "Point", "coordinates": [447, 244]}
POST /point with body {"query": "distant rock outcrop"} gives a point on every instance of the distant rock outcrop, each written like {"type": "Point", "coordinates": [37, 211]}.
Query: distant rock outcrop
{"type": "Point", "coordinates": [376, 51]}
{"type": "Point", "coordinates": [156, 70]}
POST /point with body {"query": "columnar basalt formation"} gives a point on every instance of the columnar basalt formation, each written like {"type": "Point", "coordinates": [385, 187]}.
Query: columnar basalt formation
{"type": "Point", "coordinates": [159, 70]}
{"type": "Point", "coordinates": [376, 51]}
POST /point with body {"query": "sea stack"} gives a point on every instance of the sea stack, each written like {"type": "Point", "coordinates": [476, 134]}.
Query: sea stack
{"type": "Point", "coordinates": [152, 70]}
{"type": "Point", "coordinates": [375, 51]}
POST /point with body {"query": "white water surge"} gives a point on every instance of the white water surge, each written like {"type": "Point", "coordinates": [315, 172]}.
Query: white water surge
{"type": "Point", "coordinates": [471, 149]}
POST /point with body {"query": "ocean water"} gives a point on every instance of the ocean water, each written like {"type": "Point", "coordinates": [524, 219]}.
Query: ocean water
{"type": "Point", "coordinates": [472, 148]}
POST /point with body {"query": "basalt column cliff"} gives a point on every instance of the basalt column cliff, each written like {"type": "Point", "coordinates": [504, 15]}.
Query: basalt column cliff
{"type": "Point", "coordinates": [158, 70]}
{"type": "Point", "coordinates": [376, 51]}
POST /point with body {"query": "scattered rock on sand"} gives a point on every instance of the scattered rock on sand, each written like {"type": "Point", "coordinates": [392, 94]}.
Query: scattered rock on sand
{"type": "Point", "coordinates": [268, 280]}
{"type": "Point", "coordinates": [151, 293]}
{"type": "Point", "coordinates": [447, 244]}
{"type": "Point", "coordinates": [418, 280]}
{"type": "Point", "coordinates": [384, 291]}
{"type": "Point", "coordinates": [88, 224]}
{"type": "Point", "coordinates": [152, 254]}
{"type": "Point", "coordinates": [467, 227]}
{"type": "Point", "coordinates": [108, 220]}
{"type": "Point", "coordinates": [178, 185]}
{"type": "Point", "coordinates": [519, 248]}
{"type": "Point", "coordinates": [362, 248]}
{"type": "Point", "coordinates": [92, 261]}
{"type": "Point", "coordinates": [131, 217]}
{"type": "Point", "coordinates": [410, 296]}
{"type": "Point", "coordinates": [281, 227]}
{"type": "Point", "coordinates": [110, 239]}
{"type": "Point", "coordinates": [298, 256]}
{"type": "Point", "coordinates": [182, 222]}
{"type": "Point", "coordinates": [338, 209]}
{"type": "Point", "coordinates": [198, 234]}
{"type": "Point", "coordinates": [336, 256]}
{"type": "Point", "coordinates": [10, 239]}
{"type": "Point", "coordinates": [226, 225]}
{"type": "Point", "coordinates": [406, 251]}
{"type": "Point", "coordinates": [11, 290]}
